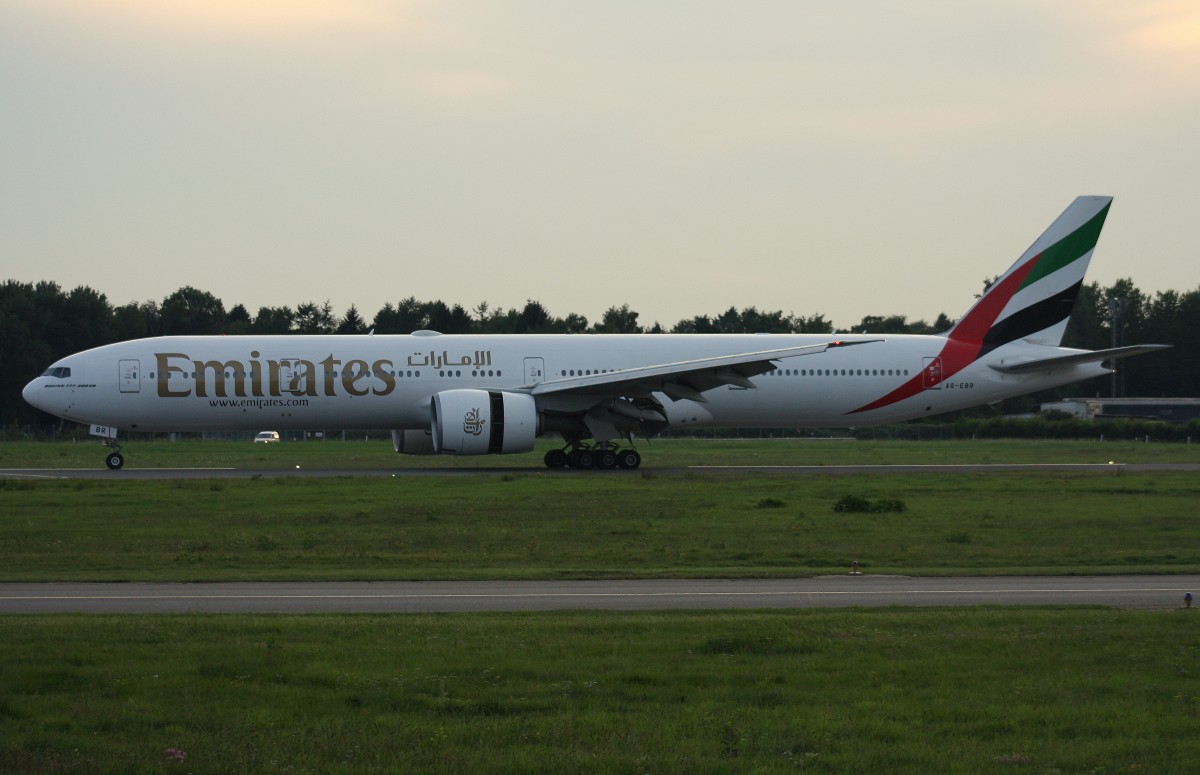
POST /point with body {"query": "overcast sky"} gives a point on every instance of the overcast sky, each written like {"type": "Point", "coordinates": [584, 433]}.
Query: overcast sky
{"type": "Point", "coordinates": [850, 158]}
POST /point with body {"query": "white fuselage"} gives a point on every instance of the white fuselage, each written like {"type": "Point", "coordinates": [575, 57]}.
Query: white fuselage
{"type": "Point", "coordinates": [388, 381]}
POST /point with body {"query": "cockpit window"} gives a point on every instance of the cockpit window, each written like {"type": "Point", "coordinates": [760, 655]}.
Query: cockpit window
{"type": "Point", "coordinates": [60, 372]}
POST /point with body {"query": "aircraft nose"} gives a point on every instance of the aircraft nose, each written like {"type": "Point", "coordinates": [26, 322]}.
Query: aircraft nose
{"type": "Point", "coordinates": [32, 393]}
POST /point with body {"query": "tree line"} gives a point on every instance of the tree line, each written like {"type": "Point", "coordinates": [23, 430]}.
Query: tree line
{"type": "Point", "coordinates": [41, 322]}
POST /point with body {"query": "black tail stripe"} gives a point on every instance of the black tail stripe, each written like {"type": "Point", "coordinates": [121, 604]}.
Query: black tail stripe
{"type": "Point", "coordinates": [1030, 320]}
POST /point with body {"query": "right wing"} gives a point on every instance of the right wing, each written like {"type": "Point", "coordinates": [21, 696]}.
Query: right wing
{"type": "Point", "coordinates": [682, 379]}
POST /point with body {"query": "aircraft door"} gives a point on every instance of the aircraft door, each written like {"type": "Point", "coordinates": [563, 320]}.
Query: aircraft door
{"type": "Point", "coordinates": [534, 371]}
{"type": "Point", "coordinates": [130, 375]}
{"type": "Point", "coordinates": [931, 374]}
{"type": "Point", "coordinates": [290, 373]}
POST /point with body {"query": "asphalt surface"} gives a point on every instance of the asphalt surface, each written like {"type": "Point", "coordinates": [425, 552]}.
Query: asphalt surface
{"type": "Point", "coordinates": [664, 594]}
{"type": "Point", "coordinates": [130, 472]}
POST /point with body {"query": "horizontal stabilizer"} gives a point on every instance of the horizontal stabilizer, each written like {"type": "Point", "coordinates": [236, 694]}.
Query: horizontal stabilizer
{"type": "Point", "coordinates": [1083, 356]}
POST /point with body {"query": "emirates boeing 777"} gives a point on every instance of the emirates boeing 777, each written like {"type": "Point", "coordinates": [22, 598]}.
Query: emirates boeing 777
{"type": "Point", "coordinates": [495, 394]}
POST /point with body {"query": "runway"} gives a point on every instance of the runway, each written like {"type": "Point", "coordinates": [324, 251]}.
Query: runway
{"type": "Point", "coordinates": [131, 473]}
{"type": "Point", "coordinates": [1147, 592]}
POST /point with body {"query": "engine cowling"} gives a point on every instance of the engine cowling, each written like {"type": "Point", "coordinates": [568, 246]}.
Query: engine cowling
{"type": "Point", "coordinates": [483, 422]}
{"type": "Point", "coordinates": [413, 442]}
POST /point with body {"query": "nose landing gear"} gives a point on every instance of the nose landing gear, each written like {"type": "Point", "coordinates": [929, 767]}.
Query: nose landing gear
{"type": "Point", "coordinates": [114, 460]}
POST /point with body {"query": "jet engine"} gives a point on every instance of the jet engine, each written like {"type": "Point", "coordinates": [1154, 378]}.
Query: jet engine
{"type": "Point", "coordinates": [483, 422]}
{"type": "Point", "coordinates": [413, 442]}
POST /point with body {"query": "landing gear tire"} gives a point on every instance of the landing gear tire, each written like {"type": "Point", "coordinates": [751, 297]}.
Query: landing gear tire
{"type": "Point", "coordinates": [114, 460]}
{"type": "Point", "coordinates": [581, 458]}
{"type": "Point", "coordinates": [587, 458]}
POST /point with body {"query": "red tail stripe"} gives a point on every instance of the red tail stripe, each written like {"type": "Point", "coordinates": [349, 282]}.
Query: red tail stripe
{"type": "Point", "coordinates": [980, 319]}
{"type": "Point", "coordinates": [966, 338]}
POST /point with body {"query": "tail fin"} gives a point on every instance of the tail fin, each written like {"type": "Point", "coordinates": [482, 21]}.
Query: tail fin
{"type": "Point", "coordinates": [1033, 299]}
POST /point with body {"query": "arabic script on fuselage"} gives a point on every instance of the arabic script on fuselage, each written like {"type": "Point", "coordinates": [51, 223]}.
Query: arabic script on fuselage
{"type": "Point", "coordinates": [442, 360]}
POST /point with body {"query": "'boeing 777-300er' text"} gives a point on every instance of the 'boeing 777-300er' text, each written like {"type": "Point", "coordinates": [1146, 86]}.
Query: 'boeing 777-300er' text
{"type": "Point", "coordinates": [494, 394]}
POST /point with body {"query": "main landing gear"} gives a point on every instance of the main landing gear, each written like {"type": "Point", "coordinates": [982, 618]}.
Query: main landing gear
{"type": "Point", "coordinates": [114, 460]}
{"type": "Point", "coordinates": [602, 456]}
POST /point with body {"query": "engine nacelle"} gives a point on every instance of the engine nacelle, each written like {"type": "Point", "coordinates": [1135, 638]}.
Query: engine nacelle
{"type": "Point", "coordinates": [410, 442]}
{"type": "Point", "coordinates": [483, 422]}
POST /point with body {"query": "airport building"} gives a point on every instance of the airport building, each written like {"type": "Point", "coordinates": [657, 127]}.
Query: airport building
{"type": "Point", "coordinates": [1165, 409]}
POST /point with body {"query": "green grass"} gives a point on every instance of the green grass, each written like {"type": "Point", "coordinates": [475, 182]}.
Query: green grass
{"type": "Point", "coordinates": [982, 690]}
{"type": "Point", "coordinates": [1037, 690]}
{"type": "Point", "coordinates": [378, 453]}
{"type": "Point", "coordinates": [545, 525]}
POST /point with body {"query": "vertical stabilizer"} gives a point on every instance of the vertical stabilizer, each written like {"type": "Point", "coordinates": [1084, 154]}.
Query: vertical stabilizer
{"type": "Point", "coordinates": [1034, 298]}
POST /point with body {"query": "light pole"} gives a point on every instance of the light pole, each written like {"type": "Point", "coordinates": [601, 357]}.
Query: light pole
{"type": "Point", "coordinates": [1116, 306]}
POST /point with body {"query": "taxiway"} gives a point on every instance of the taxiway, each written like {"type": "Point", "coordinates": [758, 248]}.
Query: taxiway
{"type": "Point", "coordinates": [616, 595]}
{"type": "Point", "coordinates": [132, 472]}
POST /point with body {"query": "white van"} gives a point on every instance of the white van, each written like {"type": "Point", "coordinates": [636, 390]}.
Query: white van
{"type": "Point", "coordinates": [266, 437]}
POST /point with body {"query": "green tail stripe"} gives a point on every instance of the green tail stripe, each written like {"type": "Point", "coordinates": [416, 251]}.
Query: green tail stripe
{"type": "Point", "coordinates": [1070, 248]}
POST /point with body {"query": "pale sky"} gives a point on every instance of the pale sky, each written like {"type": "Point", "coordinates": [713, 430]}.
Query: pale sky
{"type": "Point", "coordinates": [850, 158]}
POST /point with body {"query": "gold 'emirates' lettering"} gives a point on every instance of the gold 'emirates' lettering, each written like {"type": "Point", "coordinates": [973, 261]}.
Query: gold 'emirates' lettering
{"type": "Point", "coordinates": [180, 376]}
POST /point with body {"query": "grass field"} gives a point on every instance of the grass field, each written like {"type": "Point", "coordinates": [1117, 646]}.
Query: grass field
{"type": "Point", "coordinates": [545, 525]}
{"type": "Point", "coordinates": [982, 690]}
{"type": "Point", "coordinates": [1046, 690]}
